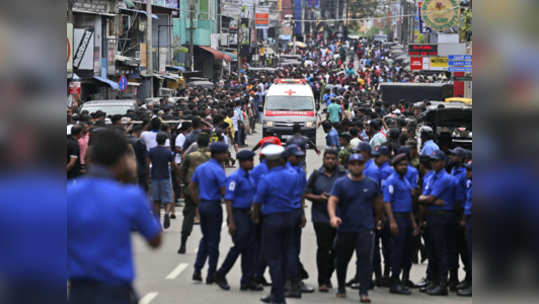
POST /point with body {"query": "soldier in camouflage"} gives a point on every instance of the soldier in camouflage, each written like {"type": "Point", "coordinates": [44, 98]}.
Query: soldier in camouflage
{"type": "Point", "coordinates": [190, 163]}
{"type": "Point", "coordinates": [346, 148]}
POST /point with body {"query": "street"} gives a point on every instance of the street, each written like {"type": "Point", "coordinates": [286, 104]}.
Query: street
{"type": "Point", "coordinates": [164, 277]}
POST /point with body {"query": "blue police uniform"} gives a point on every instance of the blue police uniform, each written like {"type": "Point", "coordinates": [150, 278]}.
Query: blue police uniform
{"type": "Point", "coordinates": [468, 214]}
{"type": "Point", "coordinates": [260, 265]}
{"type": "Point", "coordinates": [99, 258]}
{"type": "Point", "coordinates": [240, 191]}
{"type": "Point", "coordinates": [210, 177]}
{"type": "Point", "coordinates": [398, 192]}
{"type": "Point", "coordinates": [459, 174]}
{"type": "Point", "coordinates": [356, 232]}
{"type": "Point", "coordinates": [441, 221]}
{"type": "Point", "coordinates": [275, 193]}
{"type": "Point", "coordinates": [259, 171]}
{"type": "Point", "coordinates": [429, 147]}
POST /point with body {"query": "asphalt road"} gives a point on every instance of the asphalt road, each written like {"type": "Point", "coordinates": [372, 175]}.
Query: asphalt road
{"type": "Point", "coordinates": [164, 277]}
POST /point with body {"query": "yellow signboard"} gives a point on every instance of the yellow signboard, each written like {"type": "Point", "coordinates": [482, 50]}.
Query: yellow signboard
{"type": "Point", "coordinates": [439, 62]}
{"type": "Point", "coordinates": [143, 54]}
{"type": "Point", "coordinates": [440, 15]}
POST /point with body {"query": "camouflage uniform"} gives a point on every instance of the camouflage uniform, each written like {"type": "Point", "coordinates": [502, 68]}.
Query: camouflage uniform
{"type": "Point", "coordinates": [344, 154]}
{"type": "Point", "coordinates": [189, 164]}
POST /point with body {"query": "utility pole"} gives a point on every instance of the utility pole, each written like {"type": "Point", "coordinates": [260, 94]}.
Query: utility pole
{"type": "Point", "coordinates": [294, 27]}
{"type": "Point", "coordinates": [191, 43]}
{"type": "Point", "coordinates": [149, 45]}
{"type": "Point", "coordinates": [238, 40]}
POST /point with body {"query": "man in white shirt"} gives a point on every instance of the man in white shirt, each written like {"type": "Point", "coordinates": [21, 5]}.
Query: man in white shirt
{"type": "Point", "coordinates": [149, 137]}
{"type": "Point", "coordinates": [180, 140]}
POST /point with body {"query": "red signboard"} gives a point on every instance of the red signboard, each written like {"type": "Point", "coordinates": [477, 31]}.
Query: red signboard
{"type": "Point", "coordinates": [416, 63]}
{"type": "Point", "coordinates": [423, 50]}
{"type": "Point", "coordinates": [262, 18]}
{"type": "Point", "coordinates": [289, 113]}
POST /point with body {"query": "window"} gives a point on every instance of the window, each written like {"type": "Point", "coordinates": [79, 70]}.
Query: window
{"type": "Point", "coordinates": [289, 103]}
{"type": "Point", "coordinates": [203, 9]}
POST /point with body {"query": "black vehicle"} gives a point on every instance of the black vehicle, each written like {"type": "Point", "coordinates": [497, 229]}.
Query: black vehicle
{"type": "Point", "coordinates": [396, 92]}
{"type": "Point", "coordinates": [451, 123]}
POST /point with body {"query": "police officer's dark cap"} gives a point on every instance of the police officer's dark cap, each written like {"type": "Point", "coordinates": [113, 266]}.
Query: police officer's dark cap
{"type": "Point", "coordinates": [458, 151]}
{"type": "Point", "coordinates": [218, 147]}
{"type": "Point", "coordinates": [404, 149]}
{"type": "Point", "coordinates": [294, 150]}
{"type": "Point", "coordinates": [438, 155]}
{"type": "Point", "coordinates": [245, 155]}
{"type": "Point", "coordinates": [381, 150]}
{"type": "Point", "coordinates": [356, 157]}
{"type": "Point", "coordinates": [363, 147]}
{"type": "Point", "coordinates": [397, 159]}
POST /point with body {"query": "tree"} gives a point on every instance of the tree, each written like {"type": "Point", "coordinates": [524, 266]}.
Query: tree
{"type": "Point", "coordinates": [363, 8]}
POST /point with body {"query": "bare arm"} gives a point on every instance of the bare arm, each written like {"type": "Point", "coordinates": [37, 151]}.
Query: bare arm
{"type": "Point", "coordinates": [231, 222]}
{"type": "Point", "coordinates": [71, 163]}
{"type": "Point", "coordinates": [156, 241]}
{"type": "Point", "coordinates": [332, 208]}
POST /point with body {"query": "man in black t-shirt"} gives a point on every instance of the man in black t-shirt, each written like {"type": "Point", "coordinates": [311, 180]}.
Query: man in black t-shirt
{"type": "Point", "coordinates": [73, 166]}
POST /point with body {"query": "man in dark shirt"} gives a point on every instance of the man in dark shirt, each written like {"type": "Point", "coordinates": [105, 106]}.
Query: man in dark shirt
{"type": "Point", "coordinates": [160, 183]}
{"type": "Point", "coordinates": [73, 166]}
{"type": "Point", "coordinates": [193, 136]}
{"type": "Point", "coordinates": [318, 188]}
{"type": "Point", "coordinates": [139, 146]}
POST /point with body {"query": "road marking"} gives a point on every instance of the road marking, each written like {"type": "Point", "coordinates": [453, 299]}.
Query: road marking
{"type": "Point", "coordinates": [177, 271]}
{"type": "Point", "coordinates": [224, 225]}
{"type": "Point", "coordinates": [148, 298]}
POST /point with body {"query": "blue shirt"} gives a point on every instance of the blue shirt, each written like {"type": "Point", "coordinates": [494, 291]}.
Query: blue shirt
{"type": "Point", "coordinates": [101, 213]}
{"type": "Point", "coordinates": [302, 183]}
{"type": "Point", "coordinates": [385, 171]}
{"type": "Point", "coordinates": [210, 177]}
{"type": "Point", "coordinates": [460, 186]}
{"type": "Point", "coordinates": [412, 175]}
{"type": "Point", "coordinates": [371, 170]}
{"type": "Point", "coordinates": [259, 171]}
{"type": "Point", "coordinates": [429, 147]}
{"type": "Point", "coordinates": [332, 138]}
{"type": "Point", "coordinates": [240, 189]}
{"type": "Point", "coordinates": [468, 202]}
{"type": "Point", "coordinates": [317, 184]}
{"type": "Point", "coordinates": [442, 186]}
{"type": "Point", "coordinates": [276, 190]}
{"type": "Point", "coordinates": [398, 191]}
{"type": "Point", "coordinates": [355, 203]}
{"type": "Point", "coordinates": [160, 157]}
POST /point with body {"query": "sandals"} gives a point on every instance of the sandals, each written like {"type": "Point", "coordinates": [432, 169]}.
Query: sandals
{"type": "Point", "coordinates": [364, 299]}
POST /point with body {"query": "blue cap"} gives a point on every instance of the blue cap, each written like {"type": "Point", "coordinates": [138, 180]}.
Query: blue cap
{"type": "Point", "coordinates": [381, 150]}
{"type": "Point", "coordinates": [218, 147]}
{"type": "Point", "coordinates": [363, 147]}
{"type": "Point", "coordinates": [294, 149]}
{"type": "Point", "coordinates": [458, 151]}
{"type": "Point", "coordinates": [438, 155]}
{"type": "Point", "coordinates": [356, 156]}
{"type": "Point", "coordinates": [404, 149]}
{"type": "Point", "coordinates": [245, 155]}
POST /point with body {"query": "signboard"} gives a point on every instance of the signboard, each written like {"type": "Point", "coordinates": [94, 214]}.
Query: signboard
{"type": "Point", "coordinates": [440, 15]}
{"type": "Point", "coordinates": [262, 18]}
{"type": "Point", "coordinates": [164, 3]}
{"type": "Point", "coordinates": [122, 83]}
{"type": "Point", "coordinates": [74, 88]}
{"type": "Point", "coordinates": [423, 50]}
{"type": "Point", "coordinates": [460, 69]}
{"type": "Point", "coordinates": [416, 63]}
{"type": "Point", "coordinates": [446, 49]}
{"type": "Point", "coordinates": [439, 63]}
{"type": "Point", "coordinates": [460, 57]}
{"type": "Point", "coordinates": [460, 63]}
{"type": "Point", "coordinates": [83, 39]}
{"type": "Point", "coordinates": [69, 57]}
{"type": "Point", "coordinates": [462, 78]}
{"type": "Point", "coordinates": [143, 54]}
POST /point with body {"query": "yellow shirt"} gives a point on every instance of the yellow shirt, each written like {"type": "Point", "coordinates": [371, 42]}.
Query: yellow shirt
{"type": "Point", "coordinates": [228, 120]}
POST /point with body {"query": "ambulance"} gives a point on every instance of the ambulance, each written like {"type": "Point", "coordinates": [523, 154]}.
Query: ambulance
{"type": "Point", "coordinates": [289, 102]}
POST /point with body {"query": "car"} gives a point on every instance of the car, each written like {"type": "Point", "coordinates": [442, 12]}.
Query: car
{"type": "Point", "coordinates": [110, 107]}
{"type": "Point", "coordinates": [289, 102]}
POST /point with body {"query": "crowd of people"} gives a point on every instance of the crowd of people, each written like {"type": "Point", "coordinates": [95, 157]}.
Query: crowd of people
{"type": "Point", "coordinates": [382, 189]}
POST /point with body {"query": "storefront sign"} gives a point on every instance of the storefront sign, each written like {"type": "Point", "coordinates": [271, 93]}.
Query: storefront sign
{"type": "Point", "coordinates": [423, 50]}
{"type": "Point", "coordinates": [416, 63]}
{"type": "Point", "coordinates": [69, 57]}
{"type": "Point", "coordinates": [83, 56]}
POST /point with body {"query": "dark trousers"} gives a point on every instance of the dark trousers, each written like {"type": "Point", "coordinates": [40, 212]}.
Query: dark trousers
{"type": "Point", "coordinates": [401, 245]}
{"type": "Point", "coordinates": [442, 237]}
{"type": "Point", "coordinates": [428, 251]}
{"type": "Point", "coordinates": [91, 292]}
{"type": "Point", "coordinates": [211, 219]}
{"type": "Point", "coordinates": [382, 241]}
{"type": "Point", "coordinates": [244, 244]}
{"type": "Point", "coordinates": [325, 254]}
{"type": "Point", "coordinates": [189, 213]}
{"type": "Point", "coordinates": [469, 237]}
{"type": "Point", "coordinates": [461, 250]}
{"type": "Point", "coordinates": [260, 261]}
{"type": "Point", "coordinates": [293, 264]}
{"type": "Point", "coordinates": [278, 230]}
{"type": "Point", "coordinates": [362, 243]}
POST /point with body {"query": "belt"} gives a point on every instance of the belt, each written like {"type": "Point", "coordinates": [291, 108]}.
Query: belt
{"type": "Point", "coordinates": [440, 212]}
{"type": "Point", "coordinates": [244, 210]}
{"type": "Point", "coordinates": [210, 201]}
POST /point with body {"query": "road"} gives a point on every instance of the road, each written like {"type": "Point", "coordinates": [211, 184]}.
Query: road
{"type": "Point", "coordinates": [164, 277]}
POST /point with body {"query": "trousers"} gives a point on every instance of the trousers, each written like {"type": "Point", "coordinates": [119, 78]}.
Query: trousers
{"type": "Point", "coordinates": [244, 244]}
{"type": "Point", "coordinates": [278, 230]}
{"type": "Point", "coordinates": [294, 247]}
{"type": "Point", "coordinates": [363, 243]}
{"type": "Point", "coordinates": [384, 237]}
{"type": "Point", "coordinates": [92, 292]}
{"type": "Point", "coordinates": [401, 244]}
{"type": "Point", "coordinates": [325, 254]}
{"type": "Point", "coordinates": [189, 213]}
{"type": "Point", "coordinates": [442, 239]}
{"type": "Point", "coordinates": [211, 219]}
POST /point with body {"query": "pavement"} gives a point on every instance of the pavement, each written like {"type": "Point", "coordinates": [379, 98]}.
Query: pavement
{"type": "Point", "coordinates": [164, 277]}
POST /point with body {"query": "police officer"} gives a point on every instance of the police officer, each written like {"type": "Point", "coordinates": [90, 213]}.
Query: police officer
{"type": "Point", "coordinates": [208, 188]}
{"type": "Point", "coordinates": [439, 196]}
{"type": "Point", "coordinates": [99, 256]}
{"type": "Point", "coordinates": [364, 149]}
{"type": "Point", "coordinates": [398, 207]}
{"type": "Point", "coordinates": [427, 137]}
{"type": "Point", "coordinates": [189, 164]}
{"type": "Point", "coordinates": [294, 155]}
{"type": "Point", "coordinates": [466, 290]}
{"type": "Point", "coordinates": [239, 196]}
{"type": "Point", "coordinates": [274, 201]}
{"type": "Point", "coordinates": [357, 198]}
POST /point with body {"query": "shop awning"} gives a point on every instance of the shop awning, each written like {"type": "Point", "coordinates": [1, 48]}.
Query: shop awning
{"type": "Point", "coordinates": [83, 11]}
{"type": "Point", "coordinates": [171, 76]}
{"type": "Point", "coordinates": [216, 54]}
{"type": "Point", "coordinates": [176, 67]}
{"type": "Point", "coordinates": [133, 84]}
{"type": "Point", "coordinates": [130, 10]}
{"type": "Point", "coordinates": [113, 84]}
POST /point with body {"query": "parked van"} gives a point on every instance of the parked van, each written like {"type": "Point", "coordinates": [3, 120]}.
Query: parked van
{"type": "Point", "coordinates": [110, 107]}
{"type": "Point", "coordinates": [289, 102]}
